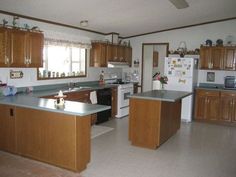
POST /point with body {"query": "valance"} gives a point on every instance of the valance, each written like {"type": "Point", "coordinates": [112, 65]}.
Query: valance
{"type": "Point", "coordinates": [58, 42]}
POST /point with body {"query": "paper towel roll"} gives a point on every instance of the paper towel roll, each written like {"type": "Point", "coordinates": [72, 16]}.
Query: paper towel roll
{"type": "Point", "coordinates": [156, 85]}
{"type": "Point", "coordinates": [93, 97]}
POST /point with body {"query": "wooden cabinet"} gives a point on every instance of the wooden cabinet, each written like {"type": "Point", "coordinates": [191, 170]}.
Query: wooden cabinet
{"type": "Point", "coordinates": [228, 107]}
{"type": "Point", "coordinates": [230, 58]}
{"type": "Point", "coordinates": [5, 47]}
{"type": "Point", "coordinates": [7, 128]}
{"type": "Point", "coordinates": [135, 88]}
{"type": "Point", "coordinates": [102, 53]}
{"type": "Point", "coordinates": [114, 102]}
{"type": "Point", "coordinates": [217, 57]}
{"type": "Point", "coordinates": [207, 104]}
{"type": "Point", "coordinates": [98, 55]}
{"type": "Point", "coordinates": [212, 58]}
{"type": "Point", "coordinates": [20, 48]}
{"type": "Point", "coordinates": [128, 55]}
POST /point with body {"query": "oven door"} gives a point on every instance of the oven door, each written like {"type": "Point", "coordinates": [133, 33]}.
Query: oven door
{"type": "Point", "coordinates": [125, 92]}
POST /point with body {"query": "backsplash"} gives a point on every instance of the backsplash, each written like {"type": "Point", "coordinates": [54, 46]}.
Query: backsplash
{"type": "Point", "coordinates": [219, 76]}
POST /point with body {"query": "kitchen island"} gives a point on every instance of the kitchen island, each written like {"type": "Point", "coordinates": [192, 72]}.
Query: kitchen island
{"type": "Point", "coordinates": [37, 128]}
{"type": "Point", "coordinates": [154, 117]}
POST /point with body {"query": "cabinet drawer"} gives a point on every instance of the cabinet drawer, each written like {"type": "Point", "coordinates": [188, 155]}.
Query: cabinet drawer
{"type": "Point", "coordinates": [208, 92]}
{"type": "Point", "coordinates": [228, 94]}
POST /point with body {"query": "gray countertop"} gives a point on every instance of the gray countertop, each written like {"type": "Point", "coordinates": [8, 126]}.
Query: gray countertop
{"type": "Point", "coordinates": [33, 101]}
{"type": "Point", "coordinates": [216, 89]}
{"type": "Point", "coordinates": [162, 95]}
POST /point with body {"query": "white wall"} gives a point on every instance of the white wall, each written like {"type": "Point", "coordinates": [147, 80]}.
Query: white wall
{"type": "Point", "coordinates": [193, 36]}
{"type": "Point", "coordinates": [147, 68]}
{"type": "Point", "coordinates": [57, 32]}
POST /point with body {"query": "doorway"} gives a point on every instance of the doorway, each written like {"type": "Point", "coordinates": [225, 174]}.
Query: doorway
{"type": "Point", "coordinates": [153, 55]}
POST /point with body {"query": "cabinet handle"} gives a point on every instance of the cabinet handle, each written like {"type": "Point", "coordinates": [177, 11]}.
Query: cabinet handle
{"type": "Point", "coordinates": [11, 112]}
{"type": "Point", "coordinates": [6, 60]}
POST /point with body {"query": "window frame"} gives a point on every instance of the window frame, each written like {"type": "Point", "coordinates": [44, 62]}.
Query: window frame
{"type": "Point", "coordinates": [66, 77]}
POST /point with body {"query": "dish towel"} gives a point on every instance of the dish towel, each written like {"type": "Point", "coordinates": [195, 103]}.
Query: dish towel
{"type": "Point", "coordinates": [93, 97]}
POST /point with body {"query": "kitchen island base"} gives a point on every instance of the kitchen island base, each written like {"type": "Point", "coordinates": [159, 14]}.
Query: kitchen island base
{"type": "Point", "coordinates": [152, 122]}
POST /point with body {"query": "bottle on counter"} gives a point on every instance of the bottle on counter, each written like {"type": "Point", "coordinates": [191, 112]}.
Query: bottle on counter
{"type": "Point", "coordinates": [101, 77]}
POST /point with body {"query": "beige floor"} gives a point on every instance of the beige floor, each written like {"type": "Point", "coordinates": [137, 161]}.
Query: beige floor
{"type": "Point", "coordinates": [197, 150]}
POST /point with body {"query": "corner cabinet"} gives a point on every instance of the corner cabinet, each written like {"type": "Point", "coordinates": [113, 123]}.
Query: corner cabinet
{"type": "Point", "coordinates": [102, 53]}
{"type": "Point", "coordinates": [21, 48]}
{"type": "Point", "coordinates": [7, 128]}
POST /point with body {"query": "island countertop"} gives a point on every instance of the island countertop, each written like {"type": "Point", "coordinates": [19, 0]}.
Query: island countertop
{"type": "Point", "coordinates": [161, 95]}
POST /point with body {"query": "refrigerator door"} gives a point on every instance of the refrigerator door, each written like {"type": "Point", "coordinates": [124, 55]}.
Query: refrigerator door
{"type": "Point", "coordinates": [180, 84]}
{"type": "Point", "coordinates": [179, 67]}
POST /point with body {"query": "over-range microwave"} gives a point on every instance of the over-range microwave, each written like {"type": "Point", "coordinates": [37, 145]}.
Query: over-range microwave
{"type": "Point", "coordinates": [230, 82]}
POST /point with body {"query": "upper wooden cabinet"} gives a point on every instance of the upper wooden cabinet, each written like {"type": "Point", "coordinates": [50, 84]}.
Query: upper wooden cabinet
{"type": "Point", "coordinates": [20, 48]}
{"type": "Point", "coordinates": [98, 55]}
{"type": "Point", "coordinates": [230, 58]}
{"type": "Point", "coordinates": [218, 58]}
{"type": "Point", "coordinates": [102, 53]}
{"type": "Point", "coordinates": [212, 58]}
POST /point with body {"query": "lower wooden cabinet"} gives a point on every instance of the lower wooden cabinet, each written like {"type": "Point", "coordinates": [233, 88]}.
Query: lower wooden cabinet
{"type": "Point", "coordinates": [228, 107]}
{"type": "Point", "coordinates": [215, 106]}
{"type": "Point", "coordinates": [113, 102]}
{"type": "Point", "coordinates": [7, 128]}
{"type": "Point", "coordinates": [207, 105]}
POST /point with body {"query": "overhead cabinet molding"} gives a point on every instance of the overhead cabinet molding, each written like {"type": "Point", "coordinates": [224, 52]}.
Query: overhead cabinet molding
{"type": "Point", "coordinates": [218, 58]}
{"type": "Point", "coordinates": [103, 53]}
{"type": "Point", "coordinates": [21, 48]}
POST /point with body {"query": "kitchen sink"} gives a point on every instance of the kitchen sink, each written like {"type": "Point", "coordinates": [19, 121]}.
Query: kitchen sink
{"type": "Point", "coordinates": [74, 89]}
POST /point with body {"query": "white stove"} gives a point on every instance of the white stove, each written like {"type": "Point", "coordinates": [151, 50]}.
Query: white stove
{"type": "Point", "coordinates": [124, 89]}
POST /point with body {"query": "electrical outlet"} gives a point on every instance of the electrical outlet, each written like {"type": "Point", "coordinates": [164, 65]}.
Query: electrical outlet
{"type": "Point", "coordinates": [16, 74]}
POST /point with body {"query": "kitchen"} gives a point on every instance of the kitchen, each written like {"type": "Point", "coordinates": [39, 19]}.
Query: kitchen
{"type": "Point", "coordinates": [194, 36]}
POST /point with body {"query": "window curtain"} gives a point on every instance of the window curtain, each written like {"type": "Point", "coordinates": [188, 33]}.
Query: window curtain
{"type": "Point", "coordinates": [65, 43]}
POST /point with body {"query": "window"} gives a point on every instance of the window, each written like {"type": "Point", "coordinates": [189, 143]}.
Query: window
{"type": "Point", "coordinates": [63, 59]}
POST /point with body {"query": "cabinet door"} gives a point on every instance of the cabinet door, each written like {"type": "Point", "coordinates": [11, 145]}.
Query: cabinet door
{"type": "Point", "coordinates": [200, 105]}
{"type": "Point", "coordinates": [205, 58]}
{"type": "Point", "coordinates": [120, 53]}
{"type": "Point", "coordinates": [217, 57]}
{"type": "Point", "coordinates": [109, 52]}
{"type": "Point", "coordinates": [7, 128]}
{"type": "Point", "coordinates": [35, 49]}
{"type": "Point", "coordinates": [18, 39]}
{"type": "Point", "coordinates": [114, 102]}
{"type": "Point", "coordinates": [230, 58]}
{"type": "Point", "coordinates": [226, 103]}
{"type": "Point", "coordinates": [98, 55]}
{"type": "Point", "coordinates": [233, 118]}
{"type": "Point", "coordinates": [128, 55]}
{"type": "Point", "coordinates": [5, 47]}
{"type": "Point", "coordinates": [212, 109]}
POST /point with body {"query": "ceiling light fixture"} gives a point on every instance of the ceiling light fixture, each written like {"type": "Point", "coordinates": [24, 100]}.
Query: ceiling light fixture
{"type": "Point", "coordinates": [179, 4]}
{"type": "Point", "coordinates": [84, 23]}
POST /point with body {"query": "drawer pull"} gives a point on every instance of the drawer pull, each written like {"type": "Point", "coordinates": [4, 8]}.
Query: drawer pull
{"type": "Point", "coordinates": [11, 112]}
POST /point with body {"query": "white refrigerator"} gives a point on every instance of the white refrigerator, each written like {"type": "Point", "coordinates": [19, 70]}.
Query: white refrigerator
{"type": "Point", "coordinates": [182, 75]}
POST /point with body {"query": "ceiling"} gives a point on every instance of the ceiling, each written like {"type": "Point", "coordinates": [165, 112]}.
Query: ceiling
{"type": "Point", "coordinates": [126, 17]}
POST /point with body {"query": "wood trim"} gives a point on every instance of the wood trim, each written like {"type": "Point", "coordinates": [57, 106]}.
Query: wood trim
{"type": "Point", "coordinates": [50, 22]}
{"type": "Point", "coordinates": [161, 43]}
{"type": "Point", "coordinates": [180, 27]}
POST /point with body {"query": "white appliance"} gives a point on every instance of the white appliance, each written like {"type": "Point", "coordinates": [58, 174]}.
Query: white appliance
{"type": "Point", "coordinates": [123, 91]}
{"type": "Point", "coordinates": [182, 76]}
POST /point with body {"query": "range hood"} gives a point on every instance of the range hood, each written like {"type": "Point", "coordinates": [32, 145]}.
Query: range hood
{"type": "Point", "coordinates": [118, 65]}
